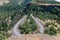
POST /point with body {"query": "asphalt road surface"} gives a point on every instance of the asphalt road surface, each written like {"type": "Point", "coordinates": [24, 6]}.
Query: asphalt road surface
{"type": "Point", "coordinates": [38, 24]}
{"type": "Point", "coordinates": [15, 30]}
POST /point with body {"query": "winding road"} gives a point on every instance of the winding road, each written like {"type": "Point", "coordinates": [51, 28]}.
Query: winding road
{"type": "Point", "coordinates": [16, 31]}
{"type": "Point", "coordinates": [41, 27]}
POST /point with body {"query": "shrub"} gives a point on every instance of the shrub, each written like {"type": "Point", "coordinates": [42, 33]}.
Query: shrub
{"type": "Point", "coordinates": [50, 31]}
{"type": "Point", "coordinates": [29, 27]}
{"type": "Point", "coordinates": [58, 29]}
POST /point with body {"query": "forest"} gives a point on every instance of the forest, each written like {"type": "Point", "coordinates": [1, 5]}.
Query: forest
{"type": "Point", "coordinates": [10, 14]}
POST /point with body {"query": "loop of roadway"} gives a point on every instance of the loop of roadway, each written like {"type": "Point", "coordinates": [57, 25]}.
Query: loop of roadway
{"type": "Point", "coordinates": [16, 26]}
{"type": "Point", "coordinates": [15, 30]}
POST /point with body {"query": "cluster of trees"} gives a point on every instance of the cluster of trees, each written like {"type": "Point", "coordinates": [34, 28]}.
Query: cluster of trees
{"type": "Point", "coordinates": [50, 28]}
{"type": "Point", "coordinates": [47, 24]}
{"type": "Point", "coordinates": [45, 12]}
{"type": "Point", "coordinates": [4, 27]}
{"type": "Point", "coordinates": [29, 27]}
{"type": "Point", "coordinates": [9, 15]}
{"type": "Point", "coordinates": [15, 11]}
{"type": "Point", "coordinates": [50, 31]}
{"type": "Point", "coordinates": [58, 30]}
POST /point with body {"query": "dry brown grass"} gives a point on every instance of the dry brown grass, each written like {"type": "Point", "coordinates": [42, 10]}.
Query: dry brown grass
{"type": "Point", "coordinates": [50, 21]}
{"type": "Point", "coordinates": [34, 37]}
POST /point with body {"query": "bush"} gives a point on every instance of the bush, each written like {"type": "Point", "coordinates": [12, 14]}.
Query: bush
{"type": "Point", "coordinates": [49, 23]}
{"type": "Point", "coordinates": [29, 27]}
{"type": "Point", "coordinates": [2, 37]}
{"type": "Point", "coordinates": [50, 31]}
{"type": "Point", "coordinates": [58, 29]}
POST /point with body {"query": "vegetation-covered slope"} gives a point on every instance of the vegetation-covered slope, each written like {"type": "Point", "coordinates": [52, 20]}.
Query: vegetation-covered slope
{"type": "Point", "coordinates": [29, 27]}
{"type": "Point", "coordinates": [46, 13]}
{"type": "Point", "coordinates": [12, 12]}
